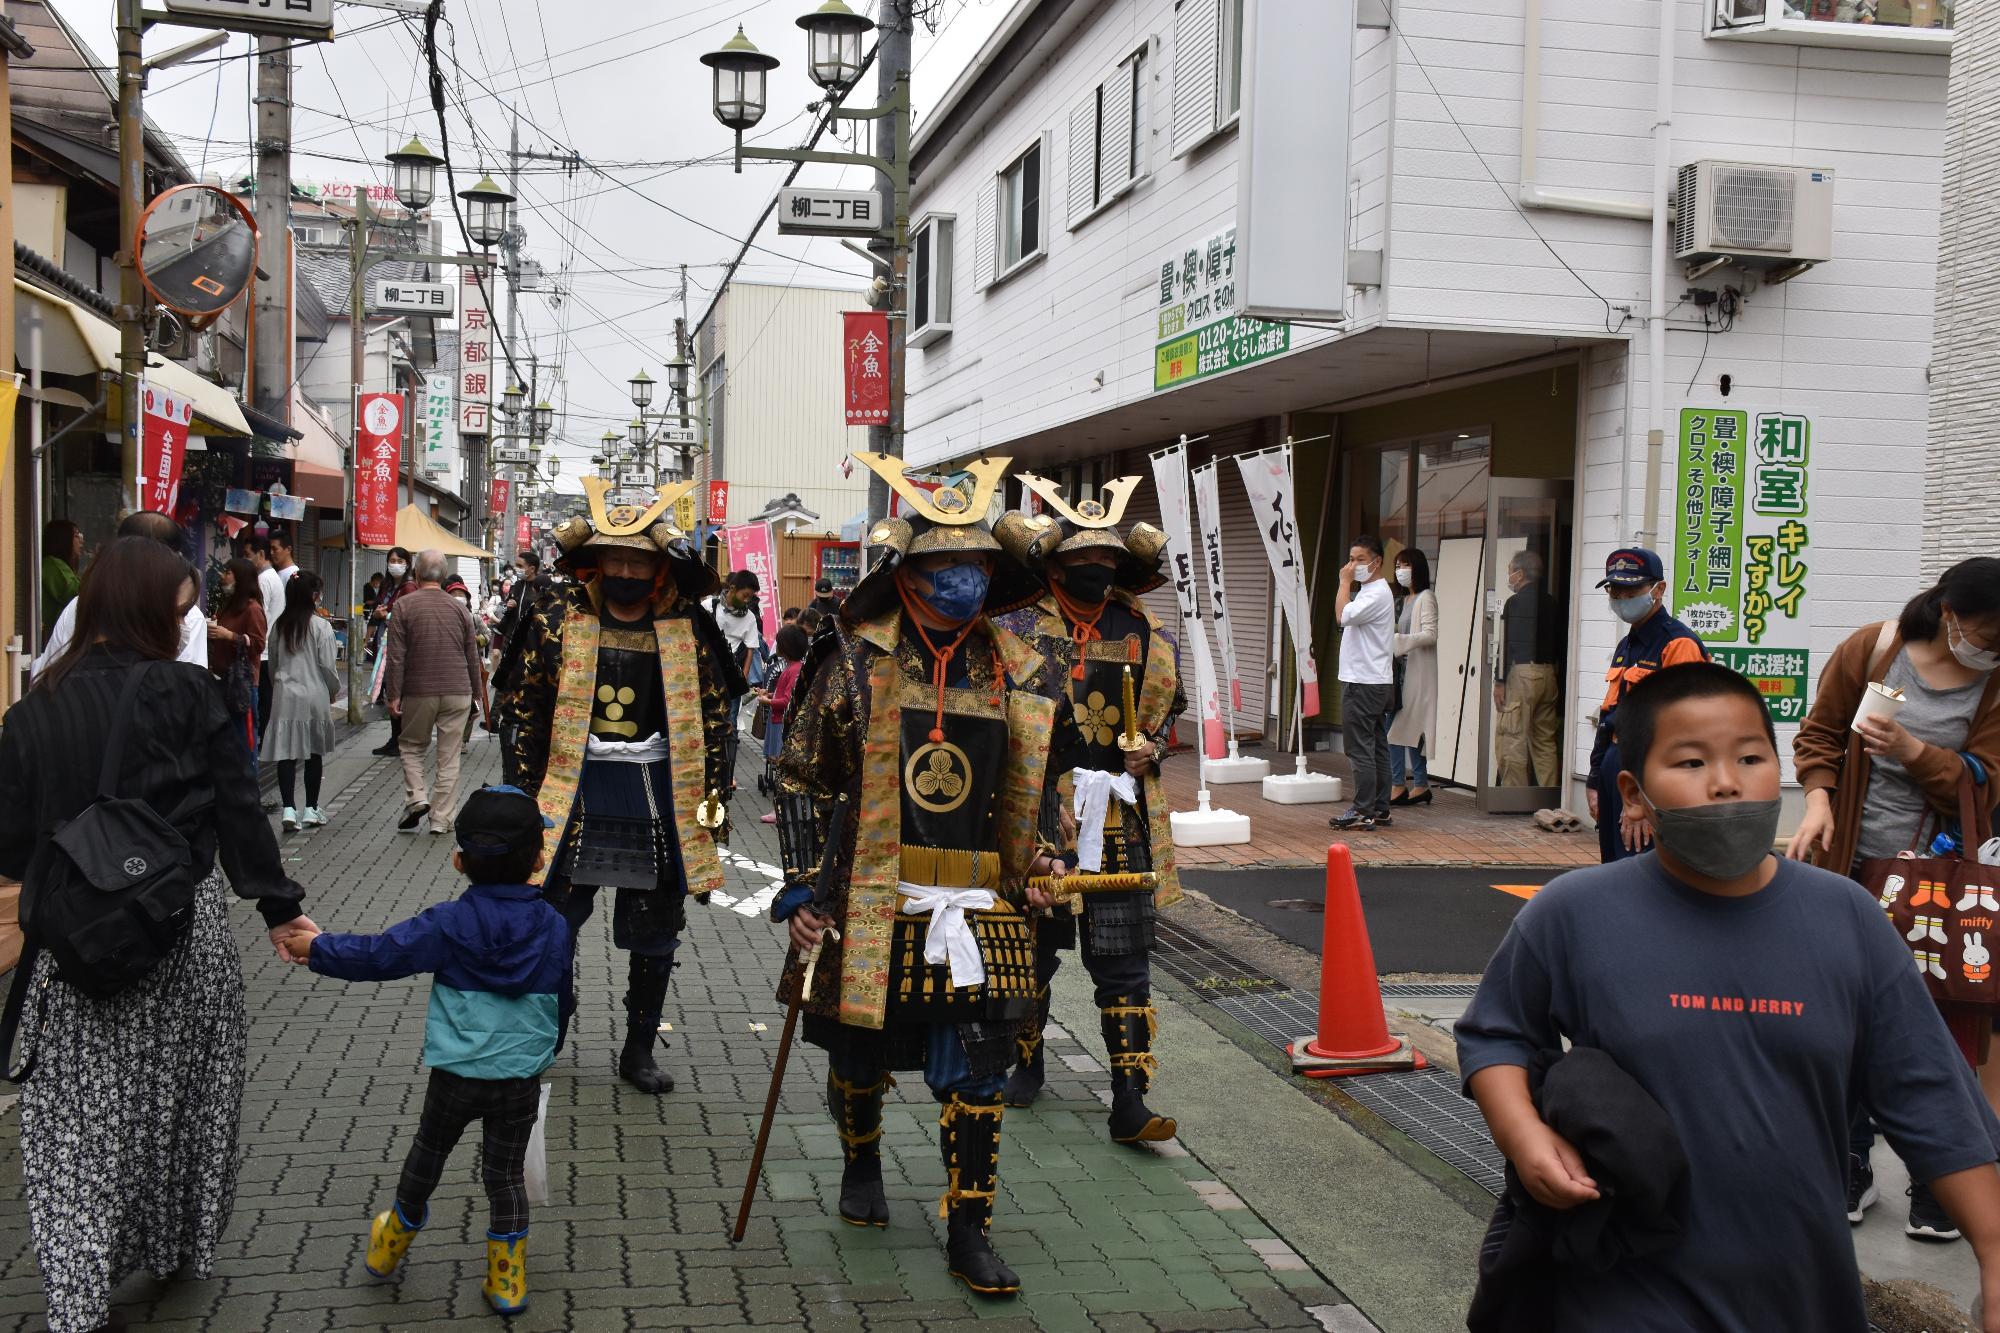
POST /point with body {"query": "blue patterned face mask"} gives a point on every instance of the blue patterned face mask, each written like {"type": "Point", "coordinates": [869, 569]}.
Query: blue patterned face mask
{"type": "Point", "coordinates": [957, 592]}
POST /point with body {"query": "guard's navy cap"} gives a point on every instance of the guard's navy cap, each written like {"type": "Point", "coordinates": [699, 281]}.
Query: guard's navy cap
{"type": "Point", "coordinates": [1632, 567]}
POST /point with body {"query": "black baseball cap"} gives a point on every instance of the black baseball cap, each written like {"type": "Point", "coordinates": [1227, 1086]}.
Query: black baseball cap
{"type": "Point", "coordinates": [498, 820]}
{"type": "Point", "coordinates": [824, 585]}
{"type": "Point", "coordinates": [1632, 567]}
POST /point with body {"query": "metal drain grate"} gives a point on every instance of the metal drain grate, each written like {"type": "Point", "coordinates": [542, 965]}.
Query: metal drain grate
{"type": "Point", "coordinates": [1202, 967]}
{"type": "Point", "coordinates": [1280, 1017]}
{"type": "Point", "coordinates": [1429, 990]}
{"type": "Point", "coordinates": [1425, 1104]}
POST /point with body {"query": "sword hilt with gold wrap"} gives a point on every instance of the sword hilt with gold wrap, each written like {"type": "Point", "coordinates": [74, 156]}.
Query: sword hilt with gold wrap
{"type": "Point", "coordinates": [1061, 887]}
{"type": "Point", "coordinates": [1129, 739]}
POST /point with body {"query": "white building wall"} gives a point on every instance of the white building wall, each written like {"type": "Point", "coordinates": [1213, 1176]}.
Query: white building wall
{"type": "Point", "coordinates": [783, 416]}
{"type": "Point", "coordinates": [1025, 354]}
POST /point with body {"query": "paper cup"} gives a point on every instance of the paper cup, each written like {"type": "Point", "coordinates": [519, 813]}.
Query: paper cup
{"type": "Point", "coordinates": [1878, 701]}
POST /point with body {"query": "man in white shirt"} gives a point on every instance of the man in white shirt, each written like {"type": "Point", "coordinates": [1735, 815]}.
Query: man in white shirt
{"type": "Point", "coordinates": [273, 559]}
{"type": "Point", "coordinates": [1366, 612]}
{"type": "Point", "coordinates": [194, 625]}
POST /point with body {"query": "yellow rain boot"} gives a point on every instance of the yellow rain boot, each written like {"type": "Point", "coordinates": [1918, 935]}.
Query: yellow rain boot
{"type": "Point", "coordinates": [507, 1272]}
{"type": "Point", "coordinates": [389, 1240]}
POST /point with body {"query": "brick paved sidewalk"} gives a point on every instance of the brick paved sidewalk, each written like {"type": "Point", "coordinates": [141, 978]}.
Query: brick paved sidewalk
{"type": "Point", "coordinates": [1103, 1237]}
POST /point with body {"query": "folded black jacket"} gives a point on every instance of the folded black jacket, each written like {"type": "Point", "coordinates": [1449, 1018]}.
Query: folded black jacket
{"type": "Point", "coordinates": [1632, 1151]}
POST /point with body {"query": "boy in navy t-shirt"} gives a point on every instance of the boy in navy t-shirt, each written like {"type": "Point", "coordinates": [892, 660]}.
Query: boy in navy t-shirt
{"type": "Point", "coordinates": [1755, 999]}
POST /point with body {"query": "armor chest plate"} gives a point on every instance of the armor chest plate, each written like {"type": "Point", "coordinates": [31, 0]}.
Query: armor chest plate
{"type": "Point", "coordinates": [1099, 696]}
{"type": "Point", "coordinates": [951, 788]}
{"type": "Point", "coordinates": [627, 703]}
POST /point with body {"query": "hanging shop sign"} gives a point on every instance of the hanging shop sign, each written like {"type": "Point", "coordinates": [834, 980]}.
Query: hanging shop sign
{"type": "Point", "coordinates": [378, 458]}
{"type": "Point", "coordinates": [475, 351]}
{"type": "Point", "coordinates": [1743, 545]}
{"type": "Point", "coordinates": [164, 448]}
{"type": "Point", "coordinates": [718, 502]}
{"type": "Point", "coordinates": [1194, 327]}
{"type": "Point", "coordinates": [311, 20]}
{"type": "Point", "coordinates": [1170, 480]}
{"type": "Point", "coordinates": [865, 356]}
{"type": "Point", "coordinates": [436, 429]}
{"type": "Point", "coordinates": [523, 533]}
{"type": "Point", "coordinates": [803, 212]}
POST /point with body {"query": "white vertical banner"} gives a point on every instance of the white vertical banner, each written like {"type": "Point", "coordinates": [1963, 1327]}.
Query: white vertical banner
{"type": "Point", "coordinates": [1208, 515]}
{"type": "Point", "coordinates": [1170, 480]}
{"type": "Point", "coordinates": [1267, 476]}
{"type": "Point", "coordinates": [440, 430]}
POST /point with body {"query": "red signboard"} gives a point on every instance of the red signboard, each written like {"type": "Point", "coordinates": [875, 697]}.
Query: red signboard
{"type": "Point", "coordinates": [163, 447]}
{"type": "Point", "coordinates": [718, 502]}
{"type": "Point", "coordinates": [523, 538]}
{"type": "Point", "coordinates": [865, 351]}
{"type": "Point", "coordinates": [500, 488]}
{"type": "Point", "coordinates": [378, 456]}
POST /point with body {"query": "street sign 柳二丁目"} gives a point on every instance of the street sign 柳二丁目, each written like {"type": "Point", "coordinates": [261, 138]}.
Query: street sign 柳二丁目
{"type": "Point", "coordinates": [815, 212]}
{"type": "Point", "coordinates": [402, 297]}
{"type": "Point", "coordinates": [510, 453]}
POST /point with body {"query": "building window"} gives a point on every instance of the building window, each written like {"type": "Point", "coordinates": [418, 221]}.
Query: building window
{"type": "Point", "coordinates": [930, 279]}
{"type": "Point", "coordinates": [1916, 25]}
{"type": "Point", "coordinates": [1207, 68]}
{"type": "Point", "coordinates": [1021, 208]}
{"type": "Point", "coordinates": [1107, 145]}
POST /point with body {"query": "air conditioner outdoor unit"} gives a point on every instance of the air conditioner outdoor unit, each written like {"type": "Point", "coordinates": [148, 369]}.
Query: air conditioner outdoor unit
{"type": "Point", "coordinates": [1776, 220]}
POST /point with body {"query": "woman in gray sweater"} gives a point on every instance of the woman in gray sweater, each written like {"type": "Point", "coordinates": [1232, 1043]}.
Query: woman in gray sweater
{"type": "Point", "coordinates": [304, 682]}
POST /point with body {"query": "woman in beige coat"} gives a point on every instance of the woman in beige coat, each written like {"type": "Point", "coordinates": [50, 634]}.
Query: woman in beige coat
{"type": "Point", "coordinates": [1415, 643]}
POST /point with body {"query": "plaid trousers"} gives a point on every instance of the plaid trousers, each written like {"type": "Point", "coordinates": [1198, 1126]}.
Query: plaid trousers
{"type": "Point", "coordinates": [505, 1109]}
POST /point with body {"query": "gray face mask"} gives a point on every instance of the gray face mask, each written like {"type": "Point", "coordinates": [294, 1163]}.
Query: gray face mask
{"type": "Point", "coordinates": [1722, 841]}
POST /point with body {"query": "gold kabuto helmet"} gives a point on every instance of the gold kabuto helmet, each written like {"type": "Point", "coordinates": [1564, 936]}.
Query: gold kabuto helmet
{"type": "Point", "coordinates": [1093, 523]}
{"type": "Point", "coordinates": [608, 526]}
{"type": "Point", "coordinates": [950, 518]}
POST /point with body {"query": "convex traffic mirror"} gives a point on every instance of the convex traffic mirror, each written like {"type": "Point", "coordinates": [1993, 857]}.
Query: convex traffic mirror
{"type": "Point", "coordinates": [197, 249]}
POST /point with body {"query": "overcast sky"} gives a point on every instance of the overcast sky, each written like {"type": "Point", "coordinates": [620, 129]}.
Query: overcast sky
{"type": "Point", "coordinates": [619, 84]}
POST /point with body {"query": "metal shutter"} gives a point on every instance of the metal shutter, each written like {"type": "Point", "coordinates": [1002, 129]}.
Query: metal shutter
{"type": "Point", "coordinates": [1115, 156]}
{"type": "Point", "coordinates": [1197, 70]}
{"type": "Point", "coordinates": [1083, 156]}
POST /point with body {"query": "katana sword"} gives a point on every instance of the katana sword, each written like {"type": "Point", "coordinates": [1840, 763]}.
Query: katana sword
{"type": "Point", "coordinates": [1061, 887]}
{"type": "Point", "coordinates": [843, 811]}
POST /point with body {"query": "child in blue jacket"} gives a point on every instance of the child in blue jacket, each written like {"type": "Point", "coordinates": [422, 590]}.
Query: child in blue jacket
{"type": "Point", "coordinates": [500, 959]}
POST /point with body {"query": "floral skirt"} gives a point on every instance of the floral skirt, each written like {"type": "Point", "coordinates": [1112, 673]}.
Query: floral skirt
{"type": "Point", "coordinates": [129, 1121]}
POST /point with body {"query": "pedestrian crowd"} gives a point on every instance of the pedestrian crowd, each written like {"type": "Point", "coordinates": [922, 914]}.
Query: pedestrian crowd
{"type": "Point", "coordinates": [1684, 1053]}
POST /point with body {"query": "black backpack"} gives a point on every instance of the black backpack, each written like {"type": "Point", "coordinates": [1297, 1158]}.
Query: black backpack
{"type": "Point", "coordinates": [120, 890]}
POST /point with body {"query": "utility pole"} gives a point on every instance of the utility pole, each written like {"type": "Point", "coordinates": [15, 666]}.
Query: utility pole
{"type": "Point", "coordinates": [131, 203]}
{"type": "Point", "coordinates": [892, 81]}
{"type": "Point", "coordinates": [510, 246]}
{"type": "Point", "coordinates": [271, 354]}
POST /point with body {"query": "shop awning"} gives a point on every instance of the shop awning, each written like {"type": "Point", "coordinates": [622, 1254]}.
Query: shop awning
{"type": "Point", "coordinates": [75, 341]}
{"type": "Point", "coordinates": [417, 531]}
{"type": "Point", "coordinates": [319, 469]}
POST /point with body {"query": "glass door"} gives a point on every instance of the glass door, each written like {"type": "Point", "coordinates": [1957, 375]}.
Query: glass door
{"type": "Point", "coordinates": [1526, 614]}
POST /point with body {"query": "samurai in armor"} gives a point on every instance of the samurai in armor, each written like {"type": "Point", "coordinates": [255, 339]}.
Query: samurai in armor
{"type": "Point", "coordinates": [618, 720]}
{"type": "Point", "coordinates": [909, 787]}
{"type": "Point", "coordinates": [1104, 813]}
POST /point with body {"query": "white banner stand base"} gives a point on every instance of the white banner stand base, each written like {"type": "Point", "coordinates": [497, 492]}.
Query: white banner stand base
{"type": "Point", "coordinates": [1302, 788]}
{"type": "Point", "coordinates": [1209, 828]}
{"type": "Point", "coordinates": [1236, 769]}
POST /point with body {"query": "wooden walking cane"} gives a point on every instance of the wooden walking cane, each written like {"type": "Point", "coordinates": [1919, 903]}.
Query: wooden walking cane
{"type": "Point", "coordinates": [836, 830]}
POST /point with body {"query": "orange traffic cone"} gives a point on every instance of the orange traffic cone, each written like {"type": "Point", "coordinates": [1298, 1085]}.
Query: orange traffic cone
{"type": "Point", "coordinates": [1353, 1036]}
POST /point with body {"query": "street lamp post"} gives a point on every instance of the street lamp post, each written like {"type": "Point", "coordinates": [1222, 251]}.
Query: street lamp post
{"type": "Point", "coordinates": [414, 171]}
{"type": "Point", "coordinates": [833, 43]}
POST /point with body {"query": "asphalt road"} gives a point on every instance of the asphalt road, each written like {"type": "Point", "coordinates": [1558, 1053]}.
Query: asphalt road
{"type": "Point", "coordinates": [1420, 918]}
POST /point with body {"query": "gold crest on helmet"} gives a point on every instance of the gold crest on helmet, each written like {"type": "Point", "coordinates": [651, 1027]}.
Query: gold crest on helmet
{"type": "Point", "coordinates": [946, 505]}
{"type": "Point", "coordinates": [1087, 513]}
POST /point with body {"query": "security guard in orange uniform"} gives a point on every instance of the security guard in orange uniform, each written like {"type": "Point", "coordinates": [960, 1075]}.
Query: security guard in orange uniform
{"type": "Point", "coordinates": [1637, 584]}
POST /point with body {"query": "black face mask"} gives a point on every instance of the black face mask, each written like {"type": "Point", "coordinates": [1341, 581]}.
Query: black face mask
{"type": "Point", "coordinates": [1088, 583]}
{"type": "Point", "coordinates": [623, 591]}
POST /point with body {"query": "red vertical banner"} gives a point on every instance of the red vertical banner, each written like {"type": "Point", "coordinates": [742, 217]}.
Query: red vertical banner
{"type": "Point", "coordinates": [523, 538]}
{"type": "Point", "coordinates": [718, 502]}
{"type": "Point", "coordinates": [163, 448]}
{"type": "Point", "coordinates": [865, 351]}
{"type": "Point", "coordinates": [378, 458]}
{"type": "Point", "coordinates": [500, 488]}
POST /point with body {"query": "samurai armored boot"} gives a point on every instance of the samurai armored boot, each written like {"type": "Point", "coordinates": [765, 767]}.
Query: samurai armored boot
{"type": "Point", "coordinates": [506, 1287]}
{"type": "Point", "coordinates": [857, 1116]}
{"type": "Point", "coordinates": [1025, 1083]}
{"type": "Point", "coordinates": [970, 1139]}
{"type": "Point", "coordinates": [389, 1239]}
{"type": "Point", "coordinates": [1129, 1028]}
{"type": "Point", "coordinates": [645, 996]}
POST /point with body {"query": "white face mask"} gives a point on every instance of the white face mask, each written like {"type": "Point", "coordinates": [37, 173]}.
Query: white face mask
{"type": "Point", "coordinates": [1969, 657]}
{"type": "Point", "coordinates": [1403, 575]}
{"type": "Point", "coordinates": [1363, 573]}
{"type": "Point", "coordinates": [397, 569]}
